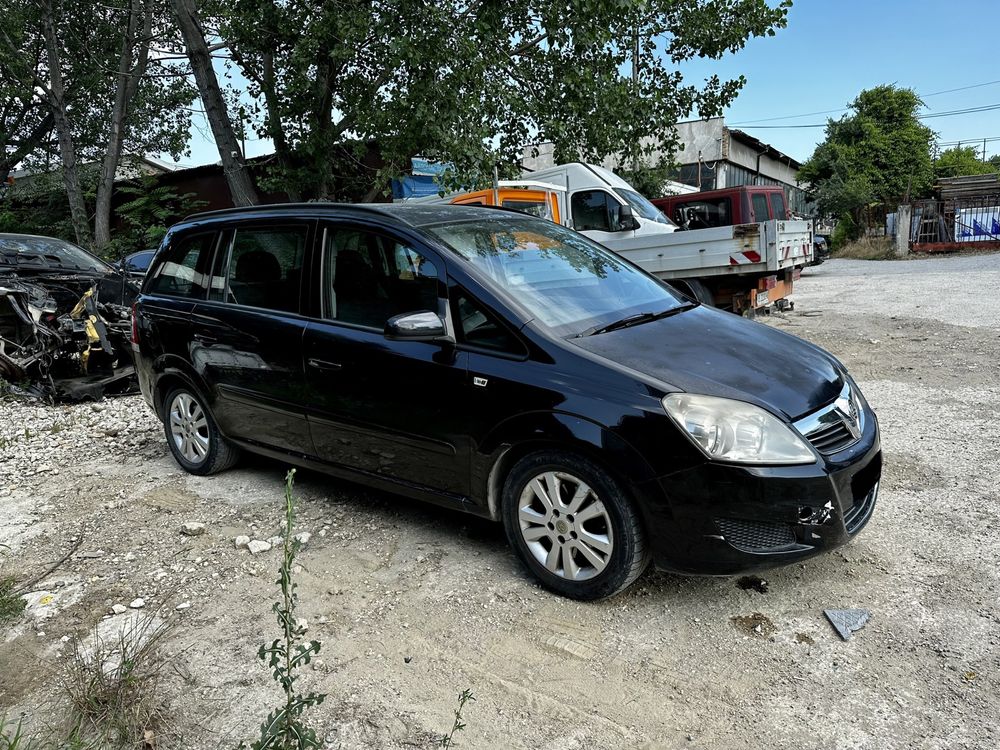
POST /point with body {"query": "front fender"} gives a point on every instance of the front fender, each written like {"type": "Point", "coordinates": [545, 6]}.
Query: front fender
{"type": "Point", "coordinates": [526, 433]}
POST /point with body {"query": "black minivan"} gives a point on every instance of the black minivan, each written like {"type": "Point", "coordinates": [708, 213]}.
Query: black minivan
{"type": "Point", "coordinates": [503, 365]}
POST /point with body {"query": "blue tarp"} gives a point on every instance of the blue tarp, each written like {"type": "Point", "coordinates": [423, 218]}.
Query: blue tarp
{"type": "Point", "coordinates": [415, 186]}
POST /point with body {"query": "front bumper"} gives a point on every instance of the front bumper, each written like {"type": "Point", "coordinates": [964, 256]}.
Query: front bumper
{"type": "Point", "coordinates": [717, 519]}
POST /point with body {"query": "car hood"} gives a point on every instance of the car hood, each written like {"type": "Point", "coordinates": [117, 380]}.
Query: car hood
{"type": "Point", "coordinates": [715, 353]}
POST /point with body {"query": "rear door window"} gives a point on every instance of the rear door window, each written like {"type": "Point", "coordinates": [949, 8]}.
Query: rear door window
{"type": "Point", "coordinates": [264, 268]}
{"type": "Point", "coordinates": [778, 205]}
{"type": "Point", "coordinates": [186, 268]}
{"type": "Point", "coordinates": [760, 207]}
{"type": "Point", "coordinates": [370, 277]}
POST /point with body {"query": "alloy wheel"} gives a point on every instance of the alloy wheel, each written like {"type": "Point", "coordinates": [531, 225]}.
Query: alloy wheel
{"type": "Point", "coordinates": [565, 525]}
{"type": "Point", "coordinates": [189, 428]}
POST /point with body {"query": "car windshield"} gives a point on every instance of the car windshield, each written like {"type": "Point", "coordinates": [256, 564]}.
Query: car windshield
{"type": "Point", "coordinates": [642, 207]}
{"type": "Point", "coordinates": [47, 253]}
{"type": "Point", "coordinates": [564, 280]}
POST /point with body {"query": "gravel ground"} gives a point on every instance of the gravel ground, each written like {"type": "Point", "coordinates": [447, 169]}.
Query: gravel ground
{"type": "Point", "coordinates": [413, 604]}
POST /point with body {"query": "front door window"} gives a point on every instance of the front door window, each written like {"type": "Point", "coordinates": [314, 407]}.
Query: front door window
{"type": "Point", "coordinates": [370, 278]}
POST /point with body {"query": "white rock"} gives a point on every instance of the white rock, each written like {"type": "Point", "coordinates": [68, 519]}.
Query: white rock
{"type": "Point", "coordinates": [130, 557]}
{"type": "Point", "coordinates": [119, 609]}
{"type": "Point", "coordinates": [241, 541]}
{"type": "Point", "coordinates": [303, 538]}
{"type": "Point", "coordinates": [257, 546]}
{"type": "Point", "coordinates": [182, 606]}
{"type": "Point", "coordinates": [301, 624]}
{"type": "Point", "coordinates": [193, 528]}
{"type": "Point", "coordinates": [276, 541]}
{"type": "Point", "coordinates": [137, 603]}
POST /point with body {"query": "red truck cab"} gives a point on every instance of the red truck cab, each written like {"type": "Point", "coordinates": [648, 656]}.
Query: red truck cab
{"type": "Point", "coordinates": [746, 204]}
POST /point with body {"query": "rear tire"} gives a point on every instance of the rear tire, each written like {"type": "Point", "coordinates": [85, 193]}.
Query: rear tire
{"type": "Point", "coordinates": [573, 526]}
{"type": "Point", "coordinates": [193, 435]}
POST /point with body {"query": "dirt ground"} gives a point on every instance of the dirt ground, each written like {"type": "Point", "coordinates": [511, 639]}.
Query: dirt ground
{"type": "Point", "coordinates": [414, 604]}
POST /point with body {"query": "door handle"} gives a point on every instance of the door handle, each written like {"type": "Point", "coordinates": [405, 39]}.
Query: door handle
{"type": "Point", "coordinates": [322, 364]}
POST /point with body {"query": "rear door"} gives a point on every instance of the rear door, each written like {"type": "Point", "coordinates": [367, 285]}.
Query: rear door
{"type": "Point", "coordinates": [177, 281]}
{"type": "Point", "coordinates": [384, 407]}
{"type": "Point", "coordinates": [247, 336]}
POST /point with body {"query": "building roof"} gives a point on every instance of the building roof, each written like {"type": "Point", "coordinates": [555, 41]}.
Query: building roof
{"type": "Point", "coordinates": [765, 148]}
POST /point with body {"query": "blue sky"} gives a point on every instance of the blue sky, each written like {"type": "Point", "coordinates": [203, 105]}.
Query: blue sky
{"type": "Point", "coordinates": [831, 50]}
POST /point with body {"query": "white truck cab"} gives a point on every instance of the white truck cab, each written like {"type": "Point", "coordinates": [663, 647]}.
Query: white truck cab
{"type": "Point", "coordinates": [592, 199]}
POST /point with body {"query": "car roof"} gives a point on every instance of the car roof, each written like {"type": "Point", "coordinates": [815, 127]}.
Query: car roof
{"type": "Point", "coordinates": [414, 215]}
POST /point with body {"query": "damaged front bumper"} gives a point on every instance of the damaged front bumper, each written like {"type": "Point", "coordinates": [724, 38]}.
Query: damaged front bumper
{"type": "Point", "coordinates": [66, 336]}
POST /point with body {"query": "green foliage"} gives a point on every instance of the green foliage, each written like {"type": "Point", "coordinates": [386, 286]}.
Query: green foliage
{"type": "Point", "coordinates": [284, 728]}
{"type": "Point", "coordinates": [472, 83]}
{"type": "Point", "coordinates": [11, 603]}
{"type": "Point", "coordinates": [147, 216]}
{"type": "Point", "coordinates": [447, 740]}
{"type": "Point", "coordinates": [845, 231]}
{"type": "Point", "coordinates": [961, 161]}
{"type": "Point", "coordinates": [879, 153]}
{"type": "Point", "coordinates": [650, 179]}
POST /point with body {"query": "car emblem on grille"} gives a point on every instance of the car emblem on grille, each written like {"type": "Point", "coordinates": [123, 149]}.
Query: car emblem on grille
{"type": "Point", "coordinates": [848, 411]}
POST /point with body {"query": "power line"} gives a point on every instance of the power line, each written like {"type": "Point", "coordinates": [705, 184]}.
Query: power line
{"type": "Point", "coordinates": [929, 115]}
{"type": "Point", "coordinates": [844, 109]}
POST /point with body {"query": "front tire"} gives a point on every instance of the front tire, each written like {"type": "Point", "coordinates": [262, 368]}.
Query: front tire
{"type": "Point", "coordinates": [573, 526]}
{"type": "Point", "coordinates": [193, 435]}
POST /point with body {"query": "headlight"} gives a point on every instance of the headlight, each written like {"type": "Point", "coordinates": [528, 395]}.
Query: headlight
{"type": "Point", "coordinates": [729, 430]}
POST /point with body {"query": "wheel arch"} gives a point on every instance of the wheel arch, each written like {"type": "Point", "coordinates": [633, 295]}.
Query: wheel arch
{"type": "Point", "coordinates": [170, 375]}
{"type": "Point", "coordinates": [531, 433]}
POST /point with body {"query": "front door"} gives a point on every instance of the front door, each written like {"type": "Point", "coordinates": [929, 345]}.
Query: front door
{"type": "Point", "coordinates": [384, 407]}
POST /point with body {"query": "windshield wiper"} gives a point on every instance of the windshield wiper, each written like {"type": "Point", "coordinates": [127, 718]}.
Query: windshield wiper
{"type": "Point", "coordinates": [634, 320]}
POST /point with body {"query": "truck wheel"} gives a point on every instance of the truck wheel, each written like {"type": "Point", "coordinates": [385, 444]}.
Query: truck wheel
{"type": "Point", "coordinates": [193, 436]}
{"type": "Point", "coordinates": [696, 290]}
{"type": "Point", "coordinates": [573, 526]}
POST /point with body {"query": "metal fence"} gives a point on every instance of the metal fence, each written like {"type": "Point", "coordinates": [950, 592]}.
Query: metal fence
{"type": "Point", "coordinates": [956, 220]}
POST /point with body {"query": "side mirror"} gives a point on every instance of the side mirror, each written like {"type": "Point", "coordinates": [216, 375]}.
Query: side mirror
{"type": "Point", "coordinates": [626, 219]}
{"type": "Point", "coordinates": [416, 326]}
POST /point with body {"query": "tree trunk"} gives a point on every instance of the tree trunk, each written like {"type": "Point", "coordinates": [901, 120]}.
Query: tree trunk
{"type": "Point", "coordinates": [129, 75]}
{"type": "Point", "coordinates": [10, 159]}
{"type": "Point", "coordinates": [274, 128]}
{"type": "Point", "coordinates": [67, 151]}
{"type": "Point", "coordinates": [233, 166]}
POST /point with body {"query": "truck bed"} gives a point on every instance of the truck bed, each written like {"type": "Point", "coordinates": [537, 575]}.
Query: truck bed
{"type": "Point", "coordinates": [745, 249]}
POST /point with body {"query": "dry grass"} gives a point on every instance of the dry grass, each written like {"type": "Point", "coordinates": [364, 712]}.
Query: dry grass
{"type": "Point", "coordinates": [868, 248]}
{"type": "Point", "coordinates": [113, 685]}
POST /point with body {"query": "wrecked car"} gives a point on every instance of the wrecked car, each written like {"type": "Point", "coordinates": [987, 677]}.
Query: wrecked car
{"type": "Point", "coordinates": [65, 330]}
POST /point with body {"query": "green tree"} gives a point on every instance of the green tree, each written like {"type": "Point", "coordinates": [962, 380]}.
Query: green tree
{"type": "Point", "coordinates": [878, 153]}
{"type": "Point", "coordinates": [472, 82]}
{"type": "Point", "coordinates": [95, 77]}
{"type": "Point", "coordinates": [960, 161]}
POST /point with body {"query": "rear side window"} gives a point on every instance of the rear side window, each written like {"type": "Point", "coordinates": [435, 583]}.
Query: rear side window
{"type": "Point", "coordinates": [186, 268]}
{"type": "Point", "coordinates": [778, 204]}
{"type": "Point", "coordinates": [264, 268]}
{"type": "Point", "coordinates": [595, 210]}
{"type": "Point", "coordinates": [760, 207]}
